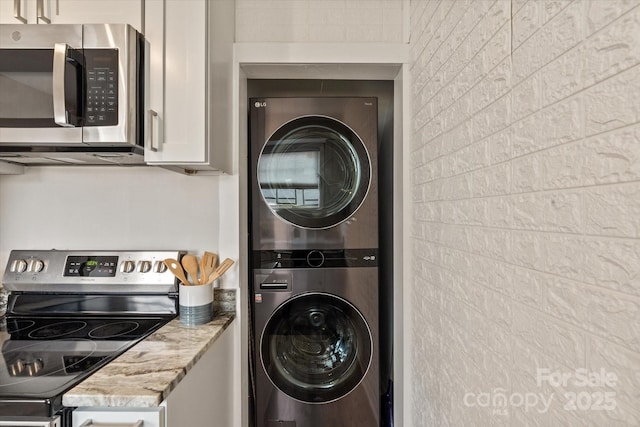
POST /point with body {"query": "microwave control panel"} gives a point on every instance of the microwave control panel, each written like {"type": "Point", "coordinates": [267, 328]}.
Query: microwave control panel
{"type": "Point", "coordinates": [101, 107]}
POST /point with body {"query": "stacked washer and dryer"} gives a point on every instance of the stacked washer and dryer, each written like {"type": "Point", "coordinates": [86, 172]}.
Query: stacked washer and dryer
{"type": "Point", "coordinates": [315, 250]}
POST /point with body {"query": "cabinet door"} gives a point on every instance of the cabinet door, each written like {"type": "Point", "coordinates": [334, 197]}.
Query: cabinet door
{"type": "Point", "coordinates": [206, 396]}
{"type": "Point", "coordinates": [11, 169]}
{"type": "Point", "coordinates": [17, 11]}
{"type": "Point", "coordinates": [125, 417]}
{"type": "Point", "coordinates": [178, 81]}
{"type": "Point", "coordinates": [92, 12]}
{"type": "Point", "coordinates": [72, 12]}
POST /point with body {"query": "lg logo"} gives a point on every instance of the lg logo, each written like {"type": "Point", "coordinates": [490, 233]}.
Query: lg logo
{"type": "Point", "coordinates": [259, 104]}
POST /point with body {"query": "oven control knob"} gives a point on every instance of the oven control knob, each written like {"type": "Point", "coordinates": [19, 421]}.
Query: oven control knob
{"type": "Point", "coordinates": [33, 367]}
{"type": "Point", "coordinates": [26, 367]}
{"type": "Point", "coordinates": [19, 266]}
{"type": "Point", "coordinates": [159, 267]}
{"type": "Point", "coordinates": [127, 266]}
{"type": "Point", "coordinates": [144, 266]}
{"type": "Point", "coordinates": [16, 368]}
{"type": "Point", "coordinates": [36, 265]}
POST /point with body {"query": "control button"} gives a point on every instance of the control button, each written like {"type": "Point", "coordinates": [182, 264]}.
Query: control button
{"type": "Point", "coordinates": [159, 267]}
{"type": "Point", "coordinates": [127, 266]}
{"type": "Point", "coordinates": [144, 266]}
{"type": "Point", "coordinates": [19, 266]}
{"type": "Point", "coordinates": [36, 265]}
{"type": "Point", "coordinates": [315, 259]}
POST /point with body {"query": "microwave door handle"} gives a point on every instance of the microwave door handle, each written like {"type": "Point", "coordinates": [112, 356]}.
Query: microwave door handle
{"type": "Point", "coordinates": [60, 115]}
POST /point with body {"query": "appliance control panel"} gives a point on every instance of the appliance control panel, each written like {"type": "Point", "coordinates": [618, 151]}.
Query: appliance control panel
{"type": "Point", "coordinates": [90, 271]}
{"type": "Point", "coordinates": [102, 87]}
{"type": "Point", "coordinates": [316, 258]}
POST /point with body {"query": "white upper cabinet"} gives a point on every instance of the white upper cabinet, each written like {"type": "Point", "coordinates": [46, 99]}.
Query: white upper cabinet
{"type": "Point", "coordinates": [19, 11]}
{"type": "Point", "coordinates": [72, 12]}
{"type": "Point", "coordinates": [190, 113]}
{"type": "Point", "coordinates": [95, 12]}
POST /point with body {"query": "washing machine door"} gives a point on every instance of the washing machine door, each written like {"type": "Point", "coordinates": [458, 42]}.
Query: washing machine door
{"type": "Point", "coordinates": [314, 172]}
{"type": "Point", "coordinates": [316, 347]}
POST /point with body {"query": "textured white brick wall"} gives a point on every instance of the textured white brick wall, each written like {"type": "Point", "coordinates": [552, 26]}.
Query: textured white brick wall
{"type": "Point", "coordinates": [319, 20]}
{"type": "Point", "coordinates": [526, 211]}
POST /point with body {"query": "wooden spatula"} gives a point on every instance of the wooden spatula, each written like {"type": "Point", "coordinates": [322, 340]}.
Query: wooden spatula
{"type": "Point", "coordinates": [207, 265]}
{"type": "Point", "coordinates": [222, 268]}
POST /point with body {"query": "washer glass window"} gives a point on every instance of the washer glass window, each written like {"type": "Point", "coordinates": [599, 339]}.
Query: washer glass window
{"type": "Point", "coordinates": [316, 347]}
{"type": "Point", "coordinates": [314, 172]}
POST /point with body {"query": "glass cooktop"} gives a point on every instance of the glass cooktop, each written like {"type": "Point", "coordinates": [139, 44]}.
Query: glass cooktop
{"type": "Point", "coordinates": [43, 357]}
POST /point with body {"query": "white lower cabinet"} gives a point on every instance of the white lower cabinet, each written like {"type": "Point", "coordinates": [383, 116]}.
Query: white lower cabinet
{"type": "Point", "coordinates": [118, 417]}
{"type": "Point", "coordinates": [11, 169]}
{"type": "Point", "coordinates": [206, 396]}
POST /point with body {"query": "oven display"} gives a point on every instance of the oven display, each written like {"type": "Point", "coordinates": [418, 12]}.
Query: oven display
{"type": "Point", "coordinates": [91, 266]}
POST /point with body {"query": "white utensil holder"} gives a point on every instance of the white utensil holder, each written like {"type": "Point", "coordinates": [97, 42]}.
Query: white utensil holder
{"type": "Point", "coordinates": [196, 304]}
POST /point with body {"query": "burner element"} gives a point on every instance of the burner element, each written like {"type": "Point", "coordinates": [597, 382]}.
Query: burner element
{"type": "Point", "coordinates": [111, 330]}
{"type": "Point", "coordinates": [58, 329]}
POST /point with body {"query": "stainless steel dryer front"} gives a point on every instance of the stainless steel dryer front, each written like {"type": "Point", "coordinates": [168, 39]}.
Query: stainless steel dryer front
{"type": "Point", "coordinates": [316, 347]}
{"type": "Point", "coordinates": [313, 166]}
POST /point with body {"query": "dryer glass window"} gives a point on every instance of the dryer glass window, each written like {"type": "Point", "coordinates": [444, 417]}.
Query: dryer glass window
{"type": "Point", "coordinates": [316, 348]}
{"type": "Point", "coordinates": [314, 172]}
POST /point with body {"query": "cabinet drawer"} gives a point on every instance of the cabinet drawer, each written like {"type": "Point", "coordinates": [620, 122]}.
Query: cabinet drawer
{"type": "Point", "coordinates": [102, 417]}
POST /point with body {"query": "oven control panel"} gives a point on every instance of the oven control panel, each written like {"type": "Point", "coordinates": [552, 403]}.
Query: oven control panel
{"type": "Point", "coordinates": [91, 266]}
{"type": "Point", "coordinates": [89, 271]}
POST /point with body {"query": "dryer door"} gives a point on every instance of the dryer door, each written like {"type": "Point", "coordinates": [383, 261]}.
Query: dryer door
{"type": "Point", "coordinates": [314, 172]}
{"type": "Point", "coordinates": [316, 347]}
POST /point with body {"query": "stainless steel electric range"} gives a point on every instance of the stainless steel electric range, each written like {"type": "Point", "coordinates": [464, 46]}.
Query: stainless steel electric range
{"type": "Point", "coordinates": [70, 313]}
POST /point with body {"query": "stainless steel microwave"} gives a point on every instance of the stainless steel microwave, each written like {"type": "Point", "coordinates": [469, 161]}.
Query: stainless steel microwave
{"type": "Point", "coordinates": [71, 94]}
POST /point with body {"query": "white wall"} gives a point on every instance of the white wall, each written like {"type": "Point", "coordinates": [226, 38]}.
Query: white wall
{"type": "Point", "coordinates": [112, 208]}
{"type": "Point", "coordinates": [319, 21]}
{"type": "Point", "coordinates": [526, 214]}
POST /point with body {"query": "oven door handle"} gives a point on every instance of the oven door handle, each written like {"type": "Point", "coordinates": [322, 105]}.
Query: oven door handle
{"type": "Point", "coordinates": [62, 53]}
{"type": "Point", "coordinates": [91, 423]}
{"type": "Point", "coordinates": [54, 422]}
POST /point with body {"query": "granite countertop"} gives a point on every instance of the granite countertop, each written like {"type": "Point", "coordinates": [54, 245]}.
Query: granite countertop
{"type": "Point", "coordinates": [145, 374]}
{"type": "Point", "coordinates": [3, 301]}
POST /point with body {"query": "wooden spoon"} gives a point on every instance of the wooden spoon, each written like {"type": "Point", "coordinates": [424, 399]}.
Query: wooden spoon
{"type": "Point", "coordinates": [222, 268]}
{"type": "Point", "coordinates": [190, 264]}
{"type": "Point", "coordinates": [175, 267]}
